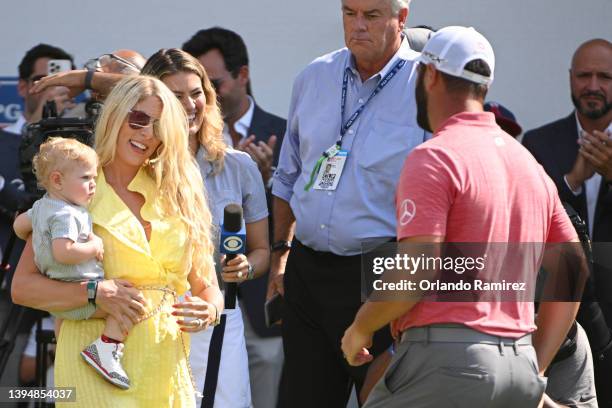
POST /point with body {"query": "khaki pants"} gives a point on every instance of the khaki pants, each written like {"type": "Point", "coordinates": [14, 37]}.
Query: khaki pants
{"type": "Point", "coordinates": [459, 367]}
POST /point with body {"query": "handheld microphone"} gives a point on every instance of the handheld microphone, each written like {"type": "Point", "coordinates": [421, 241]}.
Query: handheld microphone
{"type": "Point", "coordinates": [232, 243]}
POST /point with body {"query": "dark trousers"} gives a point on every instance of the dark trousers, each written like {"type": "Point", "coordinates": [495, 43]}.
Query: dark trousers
{"type": "Point", "coordinates": [322, 297]}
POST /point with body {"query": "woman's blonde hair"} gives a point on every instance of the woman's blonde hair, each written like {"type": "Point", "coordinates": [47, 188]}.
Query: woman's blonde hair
{"type": "Point", "coordinates": [172, 166]}
{"type": "Point", "coordinates": [210, 136]}
{"type": "Point", "coordinates": [61, 154]}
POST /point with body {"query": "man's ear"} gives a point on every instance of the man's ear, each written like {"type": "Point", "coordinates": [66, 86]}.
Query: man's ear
{"type": "Point", "coordinates": [55, 179]}
{"type": "Point", "coordinates": [244, 75]}
{"type": "Point", "coordinates": [432, 77]}
{"type": "Point", "coordinates": [22, 88]}
{"type": "Point", "coordinates": [402, 16]}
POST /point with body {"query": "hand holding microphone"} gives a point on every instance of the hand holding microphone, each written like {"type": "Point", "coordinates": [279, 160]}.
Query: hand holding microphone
{"type": "Point", "coordinates": [233, 246]}
{"type": "Point", "coordinates": [236, 270]}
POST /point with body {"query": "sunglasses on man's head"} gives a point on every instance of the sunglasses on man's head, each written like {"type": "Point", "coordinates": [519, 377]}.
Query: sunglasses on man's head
{"type": "Point", "coordinates": [139, 120]}
{"type": "Point", "coordinates": [123, 66]}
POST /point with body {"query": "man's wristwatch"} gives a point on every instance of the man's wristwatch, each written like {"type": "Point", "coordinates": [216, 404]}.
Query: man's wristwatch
{"type": "Point", "coordinates": [89, 78]}
{"type": "Point", "coordinates": [92, 291]}
{"type": "Point", "coordinates": [280, 246]}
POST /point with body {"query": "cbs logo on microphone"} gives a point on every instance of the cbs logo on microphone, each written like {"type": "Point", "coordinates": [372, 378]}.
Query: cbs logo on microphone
{"type": "Point", "coordinates": [232, 244]}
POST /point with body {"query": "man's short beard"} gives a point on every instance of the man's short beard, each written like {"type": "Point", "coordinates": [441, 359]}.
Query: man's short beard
{"type": "Point", "coordinates": [593, 114]}
{"type": "Point", "coordinates": [421, 102]}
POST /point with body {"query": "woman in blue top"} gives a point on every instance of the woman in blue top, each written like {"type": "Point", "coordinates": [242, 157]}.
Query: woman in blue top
{"type": "Point", "coordinates": [230, 176]}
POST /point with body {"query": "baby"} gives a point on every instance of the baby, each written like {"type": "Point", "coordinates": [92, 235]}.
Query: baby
{"type": "Point", "coordinates": [65, 247]}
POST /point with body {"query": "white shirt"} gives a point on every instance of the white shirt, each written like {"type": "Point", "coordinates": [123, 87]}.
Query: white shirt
{"type": "Point", "coordinates": [242, 125]}
{"type": "Point", "coordinates": [16, 127]}
{"type": "Point", "coordinates": [592, 184]}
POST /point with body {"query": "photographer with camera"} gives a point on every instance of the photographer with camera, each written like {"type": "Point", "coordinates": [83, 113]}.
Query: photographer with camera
{"type": "Point", "coordinates": [33, 67]}
{"type": "Point", "coordinates": [13, 196]}
{"type": "Point", "coordinates": [100, 74]}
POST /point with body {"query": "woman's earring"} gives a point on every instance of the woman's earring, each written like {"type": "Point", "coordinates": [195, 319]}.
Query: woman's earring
{"type": "Point", "coordinates": [155, 156]}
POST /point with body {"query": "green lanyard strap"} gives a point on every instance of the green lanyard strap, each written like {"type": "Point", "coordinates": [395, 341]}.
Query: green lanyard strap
{"type": "Point", "coordinates": [331, 152]}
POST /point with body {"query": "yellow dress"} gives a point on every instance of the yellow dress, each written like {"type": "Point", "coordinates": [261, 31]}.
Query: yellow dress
{"type": "Point", "coordinates": [155, 351]}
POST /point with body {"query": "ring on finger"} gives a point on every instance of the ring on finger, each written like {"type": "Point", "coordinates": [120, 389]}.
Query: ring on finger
{"type": "Point", "coordinates": [239, 274]}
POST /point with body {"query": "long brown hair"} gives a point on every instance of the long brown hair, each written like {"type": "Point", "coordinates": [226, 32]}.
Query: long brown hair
{"type": "Point", "coordinates": [210, 136]}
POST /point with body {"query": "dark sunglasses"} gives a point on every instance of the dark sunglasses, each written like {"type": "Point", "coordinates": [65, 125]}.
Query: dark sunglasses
{"type": "Point", "coordinates": [139, 120]}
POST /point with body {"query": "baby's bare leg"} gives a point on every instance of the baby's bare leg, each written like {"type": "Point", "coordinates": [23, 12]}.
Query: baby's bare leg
{"type": "Point", "coordinates": [112, 329]}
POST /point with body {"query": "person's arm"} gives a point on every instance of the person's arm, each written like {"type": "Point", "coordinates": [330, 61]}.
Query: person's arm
{"type": "Point", "coordinates": [553, 321]}
{"type": "Point", "coordinates": [258, 254]}
{"type": "Point", "coordinates": [23, 226]}
{"type": "Point", "coordinates": [567, 270]}
{"type": "Point", "coordinates": [287, 172]}
{"type": "Point", "coordinates": [206, 303]}
{"type": "Point", "coordinates": [32, 289]}
{"type": "Point", "coordinates": [68, 252]}
{"type": "Point", "coordinates": [581, 171]}
{"type": "Point", "coordinates": [284, 227]}
{"type": "Point", "coordinates": [74, 80]}
{"type": "Point", "coordinates": [374, 315]}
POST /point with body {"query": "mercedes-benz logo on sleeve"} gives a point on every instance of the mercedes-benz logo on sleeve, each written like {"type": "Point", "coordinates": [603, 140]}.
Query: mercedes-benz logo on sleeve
{"type": "Point", "coordinates": [407, 211]}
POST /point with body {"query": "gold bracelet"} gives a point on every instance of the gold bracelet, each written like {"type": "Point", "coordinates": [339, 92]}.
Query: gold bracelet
{"type": "Point", "coordinates": [217, 319]}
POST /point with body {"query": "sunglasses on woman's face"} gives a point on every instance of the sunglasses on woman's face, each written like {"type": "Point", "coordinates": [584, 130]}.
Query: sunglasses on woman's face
{"type": "Point", "coordinates": [139, 120]}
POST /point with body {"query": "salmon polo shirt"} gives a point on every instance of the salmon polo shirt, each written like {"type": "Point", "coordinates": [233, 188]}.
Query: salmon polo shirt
{"type": "Point", "coordinates": [474, 183]}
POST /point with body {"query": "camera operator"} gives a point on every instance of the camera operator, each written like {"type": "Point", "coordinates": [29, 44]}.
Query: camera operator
{"type": "Point", "coordinates": [79, 125]}
{"type": "Point", "coordinates": [12, 195]}
{"type": "Point", "coordinates": [34, 66]}
{"type": "Point", "coordinates": [99, 75]}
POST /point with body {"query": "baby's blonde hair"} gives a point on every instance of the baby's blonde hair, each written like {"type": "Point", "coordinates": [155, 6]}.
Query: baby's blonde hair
{"type": "Point", "coordinates": [61, 154]}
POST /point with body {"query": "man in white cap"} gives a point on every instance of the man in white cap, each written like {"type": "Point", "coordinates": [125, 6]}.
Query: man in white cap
{"type": "Point", "coordinates": [472, 353]}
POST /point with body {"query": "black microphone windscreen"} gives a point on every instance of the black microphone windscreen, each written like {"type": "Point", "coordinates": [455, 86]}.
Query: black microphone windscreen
{"type": "Point", "coordinates": [232, 218]}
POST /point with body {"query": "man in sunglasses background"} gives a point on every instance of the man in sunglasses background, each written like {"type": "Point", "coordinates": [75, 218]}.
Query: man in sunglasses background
{"type": "Point", "coordinates": [123, 61]}
{"type": "Point", "coordinates": [32, 68]}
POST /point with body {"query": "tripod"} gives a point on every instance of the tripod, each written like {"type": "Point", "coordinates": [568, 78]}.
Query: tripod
{"type": "Point", "coordinates": [14, 320]}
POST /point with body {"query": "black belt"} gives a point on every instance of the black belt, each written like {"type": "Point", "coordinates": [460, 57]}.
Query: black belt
{"type": "Point", "coordinates": [330, 255]}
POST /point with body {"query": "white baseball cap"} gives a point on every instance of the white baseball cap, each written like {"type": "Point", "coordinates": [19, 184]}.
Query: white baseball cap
{"type": "Point", "coordinates": [451, 48]}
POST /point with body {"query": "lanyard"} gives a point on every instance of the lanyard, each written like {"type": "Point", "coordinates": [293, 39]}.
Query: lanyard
{"type": "Point", "coordinates": [381, 85]}
{"type": "Point", "coordinates": [332, 151]}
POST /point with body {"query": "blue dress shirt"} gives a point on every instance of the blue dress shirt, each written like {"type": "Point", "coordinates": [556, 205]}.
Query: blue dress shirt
{"type": "Point", "coordinates": [363, 205]}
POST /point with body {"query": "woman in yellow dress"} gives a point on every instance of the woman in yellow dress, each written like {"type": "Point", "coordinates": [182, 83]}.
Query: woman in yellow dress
{"type": "Point", "coordinates": [150, 211]}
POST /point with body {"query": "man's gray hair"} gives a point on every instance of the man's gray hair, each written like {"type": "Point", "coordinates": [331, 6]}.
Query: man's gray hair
{"type": "Point", "coordinates": [397, 5]}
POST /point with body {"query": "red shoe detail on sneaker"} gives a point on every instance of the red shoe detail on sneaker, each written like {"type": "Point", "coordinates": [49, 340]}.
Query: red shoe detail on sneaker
{"type": "Point", "coordinates": [109, 340]}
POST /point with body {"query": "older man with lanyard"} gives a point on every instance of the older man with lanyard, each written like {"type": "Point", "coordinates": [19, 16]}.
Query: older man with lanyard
{"type": "Point", "coordinates": [475, 184]}
{"type": "Point", "coordinates": [352, 121]}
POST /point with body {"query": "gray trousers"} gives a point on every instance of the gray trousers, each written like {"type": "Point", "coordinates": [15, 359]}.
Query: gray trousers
{"type": "Point", "coordinates": [571, 381]}
{"type": "Point", "coordinates": [459, 367]}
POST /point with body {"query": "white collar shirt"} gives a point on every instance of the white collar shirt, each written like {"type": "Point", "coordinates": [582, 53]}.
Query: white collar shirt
{"type": "Point", "coordinates": [242, 125]}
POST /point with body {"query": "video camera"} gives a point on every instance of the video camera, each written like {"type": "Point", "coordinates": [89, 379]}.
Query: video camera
{"type": "Point", "coordinates": [81, 129]}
